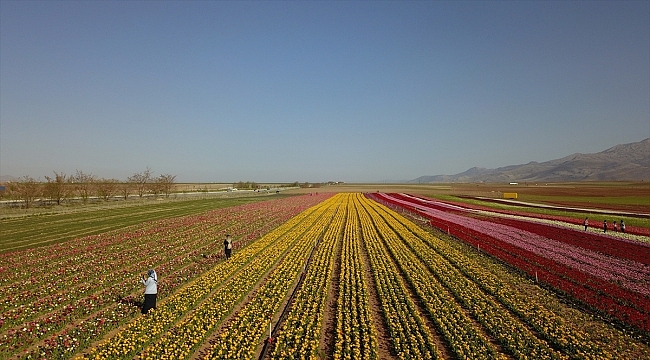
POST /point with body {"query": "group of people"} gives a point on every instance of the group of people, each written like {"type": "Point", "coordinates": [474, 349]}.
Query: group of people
{"type": "Point", "coordinates": [605, 227]}
{"type": "Point", "coordinates": [150, 280]}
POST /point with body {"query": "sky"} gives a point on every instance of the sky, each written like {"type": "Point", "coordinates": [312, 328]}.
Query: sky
{"type": "Point", "coordinates": [366, 91]}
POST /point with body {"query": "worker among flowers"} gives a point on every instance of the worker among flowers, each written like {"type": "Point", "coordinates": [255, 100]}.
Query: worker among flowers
{"type": "Point", "coordinates": [150, 281]}
{"type": "Point", "coordinates": [227, 244]}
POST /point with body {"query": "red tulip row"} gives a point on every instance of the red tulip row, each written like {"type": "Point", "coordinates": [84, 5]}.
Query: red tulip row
{"type": "Point", "coordinates": [549, 322]}
{"type": "Point", "coordinates": [594, 224]}
{"type": "Point", "coordinates": [628, 306]}
{"type": "Point", "coordinates": [625, 274]}
{"type": "Point", "coordinates": [617, 247]}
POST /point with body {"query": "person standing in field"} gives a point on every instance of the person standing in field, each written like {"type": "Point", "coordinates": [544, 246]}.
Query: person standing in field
{"type": "Point", "coordinates": [227, 244]}
{"type": "Point", "coordinates": [622, 226]}
{"type": "Point", "coordinates": [604, 226]}
{"type": "Point", "coordinates": [586, 223]}
{"type": "Point", "coordinates": [615, 227]}
{"type": "Point", "coordinates": [150, 281]}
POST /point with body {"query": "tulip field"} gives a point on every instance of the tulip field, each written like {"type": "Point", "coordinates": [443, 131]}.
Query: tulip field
{"type": "Point", "coordinates": [331, 276]}
{"type": "Point", "coordinates": [608, 273]}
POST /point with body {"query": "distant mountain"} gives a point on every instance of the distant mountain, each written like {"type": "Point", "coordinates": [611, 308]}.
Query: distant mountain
{"type": "Point", "coordinates": [621, 162]}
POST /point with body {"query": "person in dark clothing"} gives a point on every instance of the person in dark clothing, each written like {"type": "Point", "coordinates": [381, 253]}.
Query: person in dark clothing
{"type": "Point", "coordinates": [227, 245]}
{"type": "Point", "coordinates": [151, 290]}
{"type": "Point", "coordinates": [604, 226]}
{"type": "Point", "coordinates": [622, 226]}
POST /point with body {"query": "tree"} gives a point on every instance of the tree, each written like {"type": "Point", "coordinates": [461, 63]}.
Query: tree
{"type": "Point", "coordinates": [107, 188]}
{"type": "Point", "coordinates": [27, 189]}
{"type": "Point", "coordinates": [57, 188]}
{"type": "Point", "coordinates": [125, 189]}
{"type": "Point", "coordinates": [166, 183]}
{"type": "Point", "coordinates": [83, 184]}
{"type": "Point", "coordinates": [140, 181]}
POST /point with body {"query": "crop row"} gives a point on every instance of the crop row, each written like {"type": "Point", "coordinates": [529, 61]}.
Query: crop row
{"type": "Point", "coordinates": [300, 333]}
{"type": "Point", "coordinates": [356, 337]}
{"type": "Point", "coordinates": [448, 316]}
{"type": "Point", "coordinates": [599, 242]}
{"type": "Point", "coordinates": [208, 299]}
{"type": "Point", "coordinates": [510, 246]}
{"type": "Point", "coordinates": [431, 298]}
{"type": "Point", "coordinates": [176, 270]}
{"type": "Point", "coordinates": [432, 275]}
{"type": "Point", "coordinates": [70, 304]}
{"type": "Point", "coordinates": [112, 303]}
{"type": "Point", "coordinates": [411, 337]}
{"type": "Point", "coordinates": [594, 225]}
{"type": "Point", "coordinates": [245, 331]}
{"type": "Point", "coordinates": [550, 323]}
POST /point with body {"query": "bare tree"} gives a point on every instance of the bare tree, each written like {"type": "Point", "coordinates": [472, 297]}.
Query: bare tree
{"type": "Point", "coordinates": [107, 188]}
{"type": "Point", "coordinates": [141, 181]}
{"type": "Point", "coordinates": [125, 189]}
{"type": "Point", "coordinates": [155, 186]}
{"type": "Point", "coordinates": [83, 184]}
{"type": "Point", "coordinates": [166, 183]}
{"type": "Point", "coordinates": [57, 188]}
{"type": "Point", "coordinates": [27, 189]}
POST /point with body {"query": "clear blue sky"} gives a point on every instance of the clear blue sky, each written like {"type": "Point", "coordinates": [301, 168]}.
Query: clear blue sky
{"type": "Point", "coordinates": [316, 91]}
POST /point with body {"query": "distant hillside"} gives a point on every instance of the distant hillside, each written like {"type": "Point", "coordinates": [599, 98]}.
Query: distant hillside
{"type": "Point", "coordinates": [621, 162]}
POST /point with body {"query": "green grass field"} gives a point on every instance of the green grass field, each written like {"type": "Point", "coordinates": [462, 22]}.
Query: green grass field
{"type": "Point", "coordinates": [29, 231]}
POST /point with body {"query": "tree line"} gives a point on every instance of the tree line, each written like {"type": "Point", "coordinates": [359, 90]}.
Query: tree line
{"type": "Point", "coordinates": [83, 186]}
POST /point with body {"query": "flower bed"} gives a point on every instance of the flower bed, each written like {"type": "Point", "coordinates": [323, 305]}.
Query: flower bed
{"type": "Point", "coordinates": [607, 283]}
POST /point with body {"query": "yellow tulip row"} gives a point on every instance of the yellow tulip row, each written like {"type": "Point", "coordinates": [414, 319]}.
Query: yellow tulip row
{"type": "Point", "coordinates": [178, 244]}
{"type": "Point", "coordinates": [300, 333]}
{"type": "Point", "coordinates": [553, 327]}
{"type": "Point", "coordinates": [244, 332]}
{"type": "Point", "coordinates": [356, 337]}
{"type": "Point", "coordinates": [412, 339]}
{"type": "Point", "coordinates": [144, 330]}
{"type": "Point", "coordinates": [432, 274]}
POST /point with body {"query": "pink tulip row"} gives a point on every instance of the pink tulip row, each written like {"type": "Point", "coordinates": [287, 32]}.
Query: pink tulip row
{"type": "Point", "coordinates": [600, 242]}
{"type": "Point", "coordinates": [630, 229]}
{"type": "Point", "coordinates": [545, 242]}
{"type": "Point", "coordinates": [599, 280]}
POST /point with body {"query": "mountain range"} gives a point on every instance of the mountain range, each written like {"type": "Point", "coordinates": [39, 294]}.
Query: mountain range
{"type": "Point", "coordinates": [619, 163]}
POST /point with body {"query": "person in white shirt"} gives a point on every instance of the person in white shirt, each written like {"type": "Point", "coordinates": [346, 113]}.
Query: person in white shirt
{"type": "Point", "coordinates": [151, 290]}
